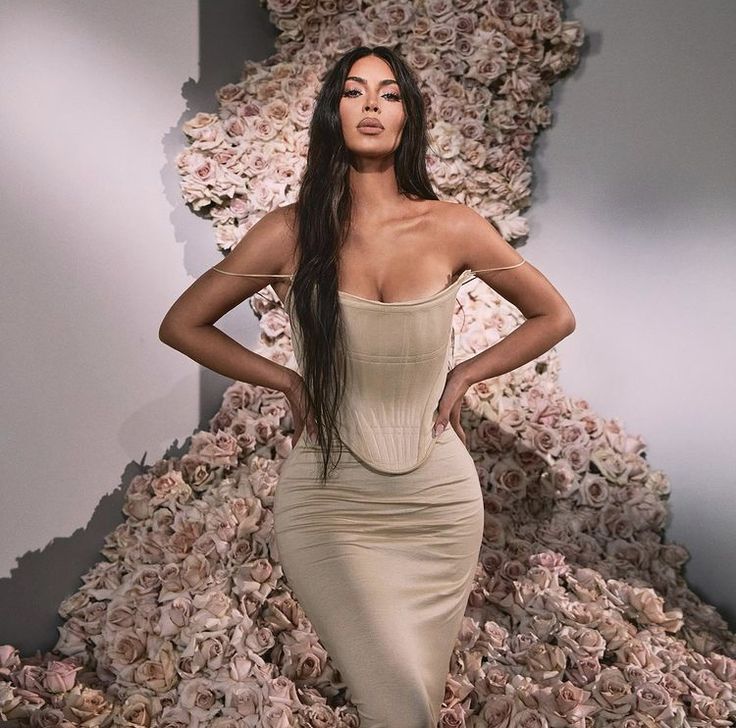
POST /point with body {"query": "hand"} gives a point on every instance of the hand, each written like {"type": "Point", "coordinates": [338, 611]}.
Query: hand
{"type": "Point", "coordinates": [297, 397]}
{"type": "Point", "coordinates": [448, 409]}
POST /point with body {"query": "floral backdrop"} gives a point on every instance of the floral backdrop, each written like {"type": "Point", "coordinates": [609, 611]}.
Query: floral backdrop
{"type": "Point", "coordinates": [580, 614]}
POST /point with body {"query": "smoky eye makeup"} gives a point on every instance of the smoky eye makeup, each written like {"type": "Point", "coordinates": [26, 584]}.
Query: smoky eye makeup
{"type": "Point", "coordinates": [351, 92]}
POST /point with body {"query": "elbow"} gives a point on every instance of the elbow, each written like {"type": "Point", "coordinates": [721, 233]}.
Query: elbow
{"type": "Point", "coordinates": [567, 323]}
{"type": "Point", "coordinates": [167, 332]}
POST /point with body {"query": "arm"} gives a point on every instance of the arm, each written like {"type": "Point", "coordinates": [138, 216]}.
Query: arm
{"type": "Point", "coordinates": [549, 319]}
{"type": "Point", "coordinates": [188, 326]}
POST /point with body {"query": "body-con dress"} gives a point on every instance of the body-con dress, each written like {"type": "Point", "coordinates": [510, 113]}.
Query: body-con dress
{"type": "Point", "coordinates": [382, 558]}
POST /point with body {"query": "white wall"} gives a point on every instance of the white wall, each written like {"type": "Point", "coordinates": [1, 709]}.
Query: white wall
{"type": "Point", "coordinates": [92, 96]}
{"type": "Point", "coordinates": [632, 220]}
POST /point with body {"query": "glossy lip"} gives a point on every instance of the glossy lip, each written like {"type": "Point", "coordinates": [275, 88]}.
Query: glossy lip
{"type": "Point", "coordinates": [370, 121]}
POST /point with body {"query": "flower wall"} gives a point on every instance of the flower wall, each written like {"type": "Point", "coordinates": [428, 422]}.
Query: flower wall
{"type": "Point", "coordinates": [580, 614]}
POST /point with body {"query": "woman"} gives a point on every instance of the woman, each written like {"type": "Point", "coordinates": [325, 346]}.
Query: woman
{"type": "Point", "coordinates": [379, 544]}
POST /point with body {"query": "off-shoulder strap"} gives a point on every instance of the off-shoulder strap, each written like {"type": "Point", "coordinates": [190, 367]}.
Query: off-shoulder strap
{"type": "Point", "coordinates": [505, 267]}
{"type": "Point", "coordinates": [267, 275]}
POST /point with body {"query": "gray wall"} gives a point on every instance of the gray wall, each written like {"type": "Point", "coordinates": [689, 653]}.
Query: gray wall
{"type": "Point", "coordinates": [632, 220]}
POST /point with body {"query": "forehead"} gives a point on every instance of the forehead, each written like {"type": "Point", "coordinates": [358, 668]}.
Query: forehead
{"type": "Point", "coordinates": [371, 69]}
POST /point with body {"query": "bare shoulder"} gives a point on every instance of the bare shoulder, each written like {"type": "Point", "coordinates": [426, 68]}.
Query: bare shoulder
{"type": "Point", "coordinates": [474, 241]}
{"type": "Point", "coordinates": [268, 247]}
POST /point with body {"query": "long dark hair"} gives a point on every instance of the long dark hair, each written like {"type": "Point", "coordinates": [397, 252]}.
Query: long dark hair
{"type": "Point", "coordinates": [323, 214]}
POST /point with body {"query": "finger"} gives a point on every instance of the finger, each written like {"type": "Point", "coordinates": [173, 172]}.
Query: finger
{"type": "Point", "coordinates": [440, 423]}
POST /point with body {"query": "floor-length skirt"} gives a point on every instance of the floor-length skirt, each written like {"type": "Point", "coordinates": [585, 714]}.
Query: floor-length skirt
{"type": "Point", "coordinates": [382, 565]}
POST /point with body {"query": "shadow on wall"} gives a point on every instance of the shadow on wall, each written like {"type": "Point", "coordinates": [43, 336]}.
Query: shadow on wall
{"type": "Point", "coordinates": [230, 32]}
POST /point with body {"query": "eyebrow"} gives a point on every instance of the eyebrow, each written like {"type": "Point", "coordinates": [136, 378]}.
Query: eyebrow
{"type": "Point", "coordinates": [385, 81]}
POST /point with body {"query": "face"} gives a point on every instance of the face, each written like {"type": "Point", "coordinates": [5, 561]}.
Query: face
{"type": "Point", "coordinates": [371, 91]}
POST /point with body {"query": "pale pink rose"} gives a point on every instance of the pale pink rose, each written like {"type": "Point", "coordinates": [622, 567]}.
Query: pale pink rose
{"type": "Point", "coordinates": [552, 560]}
{"type": "Point", "coordinates": [9, 656]}
{"type": "Point", "coordinates": [180, 543]}
{"type": "Point", "coordinates": [194, 127]}
{"type": "Point", "coordinates": [648, 509]}
{"type": "Point", "coordinates": [513, 569]}
{"type": "Point", "coordinates": [510, 481]}
{"type": "Point", "coordinates": [249, 513]}
{"type": "Point", "coordinates": [222, 522]}
{"type": "Point", "coordinates": [216, 602]}
{"type": "Point", "coordinates": [72, 637]}
{"type": "Point", "coordinates": [593, 491]}
{"type": "Point", "coordinates": [612, 465]}
{"type": "Point", "coordinates": [712, 711]}
{"type": "Point", "coordinates": [494, 531]}
{"type": "Point", "coordinates": [175, 615]}
{"type": "Point", "coordinates": [710, 685]}
{"type": "Point", "coordinates": [528, 718]}
{"type": "Point", "coordinates": [195, 472]}
{"type": "Point", "coordinates": [657, 482]}
{"type": "Point", "coordinates": [543, 625]}
{"type": "Point", "coordinates": [581, 641]}
{"type": "Point", "coordinates": [194, 570]}
{"type": "Point", "coordinates": [260, 640]}
{"type": "Point", "coordinates": [560, 480]}
{"type": "Point", "coordinates": [138, 710]}
{"type": "Point", "coordinates": [653, 700]}
{"type": "Point", "coordinates": [613, 692]}
{"type": "Point", "coordinates": [234, 125]}
{"type": "Point", "coordinates": [174, 717]}
{"type": "Point", "coordinates": [218, 449]}
{"type": "Point", "coordinates": [635, 553]}
{"type": "Point", "coordinates": [615, 630]}
{"type": "Point", "coordinates": [170, 487]}
{"type": "Point", "coordinates": [87, 706]}
{"type": "Point", "coordinates": [198, 696]}
{"type": "Point", "coordinates": [568, 702]}
{"type": "Point", "coordinates": [649, 606]}
{"type": "Point", "coordinates": [543, 439]}
{"type": "Point", "coordinates": [159, 672]}
{"type": "Point", "coordinates": [723, 667]}
{"type": "Point", "coordinates": [303, 657]}
{"type": "Point", "coordinates": [127, 648]}
{"type": "Point", "coordinates": [584, 670]}
{"type": "Point", "coordinates": [616, 522]}
{"type": "Point", "coordinates": [277, 716]}
{"type": "Point", "coordinates": [674, 685]}
{"type": "Point", "coordinates": [491, 437]}
{"type": "Point", "coordinates": [209, 546]}
{"type": "Point", "coordinates": [545, 661]}
{"type": "Point", "coordinates": [637, 653]}
{"type": "Point", "coordinates": [30, 678]}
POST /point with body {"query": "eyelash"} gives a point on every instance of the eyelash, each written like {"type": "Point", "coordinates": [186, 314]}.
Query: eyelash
{"type": "Point", "coordinates": [395, 96]}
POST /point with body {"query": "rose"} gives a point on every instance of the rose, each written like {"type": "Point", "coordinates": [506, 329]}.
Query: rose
{"type": "Point", "coordinates": [138, 710]}
{"type": "Point", "coordinates": [545, 661]}
{"type": "Point", "coordinates": [159, 672]}
{"type": "Point", "coordinates": [528, 718]}
{"type": "Point", "coordinates": [60, 676]}
{"type": "Point", "coordinates": [87, 706]}
{"type": "Point", "coordinates": [653, 700]}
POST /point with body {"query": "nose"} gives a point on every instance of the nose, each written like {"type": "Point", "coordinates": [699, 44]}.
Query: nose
{"type": "Point", "coordinates": [373, 106]}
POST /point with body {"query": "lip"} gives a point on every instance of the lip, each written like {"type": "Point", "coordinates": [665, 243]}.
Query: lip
{"type": "Point", "coordinates": [370, 123]}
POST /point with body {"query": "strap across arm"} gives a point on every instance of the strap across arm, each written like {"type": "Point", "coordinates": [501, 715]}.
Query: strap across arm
{"type": "Point", "coordinates": [505, 267]}
{"type": "Point", "coordinates": [267, 275]}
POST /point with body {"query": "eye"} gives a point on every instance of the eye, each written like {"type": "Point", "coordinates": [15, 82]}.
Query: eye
{"type": "Point", "coordinates": [390, 94]}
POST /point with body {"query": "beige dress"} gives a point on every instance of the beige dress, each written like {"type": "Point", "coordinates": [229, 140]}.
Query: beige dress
{"type": "Point", "coordinates": [382, 558]}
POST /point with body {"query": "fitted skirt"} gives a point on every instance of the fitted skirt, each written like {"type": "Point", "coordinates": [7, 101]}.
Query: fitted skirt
{"type": "Point", "coordinates": [382, 565]}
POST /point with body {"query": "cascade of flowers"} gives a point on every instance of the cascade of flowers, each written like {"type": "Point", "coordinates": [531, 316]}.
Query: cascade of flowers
{"type": "Point", "coordinates": [580, 613]}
